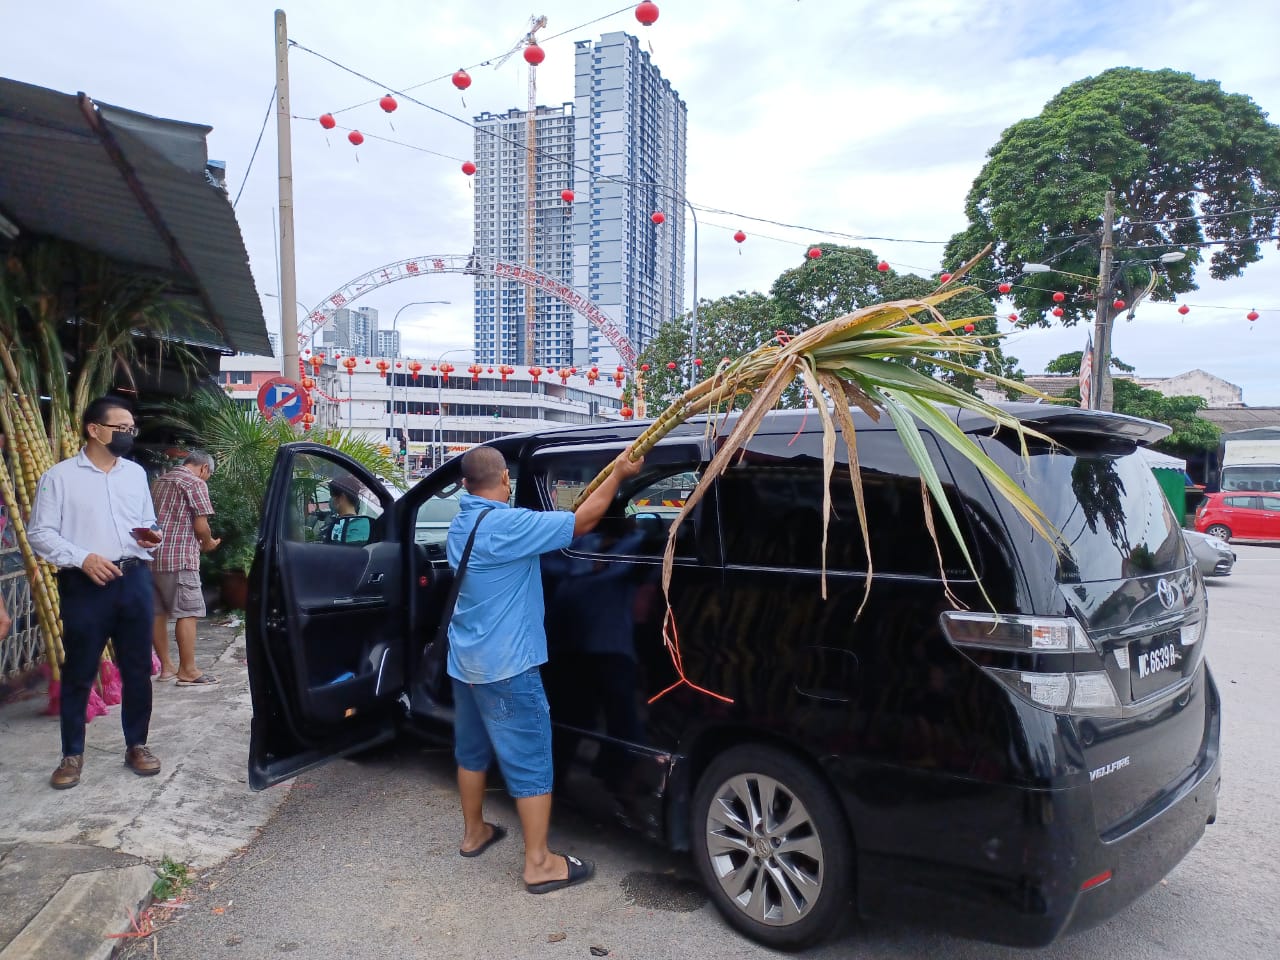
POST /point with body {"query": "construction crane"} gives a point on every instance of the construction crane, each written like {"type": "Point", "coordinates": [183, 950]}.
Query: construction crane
{"type": "Point", "coordinates": [536, 23]}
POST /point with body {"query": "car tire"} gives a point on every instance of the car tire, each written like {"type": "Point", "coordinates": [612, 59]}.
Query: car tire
{"type": "Point", "coordinates": [772, 847]}
{"type": "Point", "coordinates": [1219, 530]}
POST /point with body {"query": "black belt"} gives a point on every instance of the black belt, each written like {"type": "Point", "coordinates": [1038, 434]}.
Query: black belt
{"type": "Point", "coordinates": [126, 562]}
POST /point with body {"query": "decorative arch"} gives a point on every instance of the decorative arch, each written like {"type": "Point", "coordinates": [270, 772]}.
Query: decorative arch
{"type": "Point", "coordinates": [475, 266]}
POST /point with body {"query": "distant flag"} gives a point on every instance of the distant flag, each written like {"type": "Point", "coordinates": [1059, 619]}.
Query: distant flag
{"type": "Point", "coordinates": [1086, 373]}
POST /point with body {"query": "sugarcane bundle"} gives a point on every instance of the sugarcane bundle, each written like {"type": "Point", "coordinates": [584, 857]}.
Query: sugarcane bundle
{"type": "Point", "coordinates": [858, 360]}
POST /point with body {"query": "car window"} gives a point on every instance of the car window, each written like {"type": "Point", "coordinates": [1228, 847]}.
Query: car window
{"type": "Point", "coordinates": [638, 522]}
{"type": "Point", "coordinates": [771, 511]}
{"type": "Point", "coordinates": [1240, 501]}
{"type": "Point", "coordinates": [330, 505]}
{"type": "Point", "coordinates": [1271, 503]}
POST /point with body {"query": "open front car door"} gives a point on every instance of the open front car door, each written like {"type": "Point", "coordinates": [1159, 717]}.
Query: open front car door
{"type": "Point", "coordinates": [324, 625]}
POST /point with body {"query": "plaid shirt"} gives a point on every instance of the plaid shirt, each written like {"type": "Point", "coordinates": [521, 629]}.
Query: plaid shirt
{"type": "Point", "coordinates": [180, 496]}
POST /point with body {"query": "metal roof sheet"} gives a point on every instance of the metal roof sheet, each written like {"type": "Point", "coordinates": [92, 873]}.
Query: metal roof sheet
{"type": "Point", "coordinates": [133, 187]}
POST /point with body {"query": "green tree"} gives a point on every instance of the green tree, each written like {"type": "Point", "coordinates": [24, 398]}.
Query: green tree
{"type": "Point", "coordinates": [1188, 162]}
{"type": "Point", "coordinates": [1070, 363]}
{"type": "Point", "coordinates": [1191, 433]}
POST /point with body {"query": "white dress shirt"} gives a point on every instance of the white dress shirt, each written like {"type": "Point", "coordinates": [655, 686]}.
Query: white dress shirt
{"type": "Point", "coordinates": [81, 509]}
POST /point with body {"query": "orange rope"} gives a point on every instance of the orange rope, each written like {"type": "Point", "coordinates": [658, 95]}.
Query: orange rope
{"type": "Point", "coordinates": [671, 638]}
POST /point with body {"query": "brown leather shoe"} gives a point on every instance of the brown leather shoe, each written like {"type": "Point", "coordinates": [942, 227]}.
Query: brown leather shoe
{"type": "Point", "coordinates": [68, 773]}
{"type": "Point", "coordinates": [142, 761]}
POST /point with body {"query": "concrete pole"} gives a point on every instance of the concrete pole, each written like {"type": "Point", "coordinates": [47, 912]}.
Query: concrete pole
{"type": "Point", "coordinates": [284, 153]}
{"type": "Point", "coordinates": [1100, 398]}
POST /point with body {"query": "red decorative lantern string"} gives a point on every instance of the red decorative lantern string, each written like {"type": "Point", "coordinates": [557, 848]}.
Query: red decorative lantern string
{"type": "Point", "coordinates": [307, 420]}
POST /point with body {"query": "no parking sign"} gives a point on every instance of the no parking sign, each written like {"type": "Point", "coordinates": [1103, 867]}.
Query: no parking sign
{"type": "Point", "coordinates": [282, 397]}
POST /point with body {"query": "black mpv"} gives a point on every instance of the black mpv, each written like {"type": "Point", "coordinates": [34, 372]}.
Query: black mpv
{"type": "Point", "coordinates": [1013, 769]}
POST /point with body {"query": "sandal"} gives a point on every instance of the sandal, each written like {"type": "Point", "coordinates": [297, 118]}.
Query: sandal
{"type": "Point", "coordinates": [203, 680]}
{"type": "Point", "coordinates": [579, 872]}
{"type": "Point", "coordinates": [498, 834]}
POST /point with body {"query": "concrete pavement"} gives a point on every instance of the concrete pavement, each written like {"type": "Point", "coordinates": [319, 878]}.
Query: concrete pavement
{"type": "Point", "coordinates": [74, 863]}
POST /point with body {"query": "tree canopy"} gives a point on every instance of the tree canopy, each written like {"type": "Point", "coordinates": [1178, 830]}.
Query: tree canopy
{"type": "Point", "coordinates": [1070, 363]}
{"type": "Point", "coordinates": [1193, 168]}
{"type": "Point", "coordinates": [1191, 433]}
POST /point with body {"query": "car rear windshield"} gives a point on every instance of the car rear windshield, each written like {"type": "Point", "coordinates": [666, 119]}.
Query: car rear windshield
{"type": "Point", "coordinates": [1104, 500]}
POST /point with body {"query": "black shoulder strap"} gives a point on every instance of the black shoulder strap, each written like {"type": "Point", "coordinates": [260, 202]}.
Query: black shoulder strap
{"type": "Point", "coordinates": [446, 612]}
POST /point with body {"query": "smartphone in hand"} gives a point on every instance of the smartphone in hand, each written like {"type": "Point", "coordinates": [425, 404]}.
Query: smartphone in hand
{"type": "Point", "coordinates": [147, 534]}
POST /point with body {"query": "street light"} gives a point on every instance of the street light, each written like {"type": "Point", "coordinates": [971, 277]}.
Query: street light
{"type": "Point", "coordinates": [1101, 368]}
{"type": "Point", "coordinates": [394, 322]}
{"type": "Point", "coordinates": [439, 451]}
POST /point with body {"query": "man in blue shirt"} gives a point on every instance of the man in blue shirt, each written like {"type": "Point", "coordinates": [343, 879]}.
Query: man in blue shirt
{"type": "Point", "coordinates": [93, 519]}
{"type": "Point", "coordinates": [496, 645]}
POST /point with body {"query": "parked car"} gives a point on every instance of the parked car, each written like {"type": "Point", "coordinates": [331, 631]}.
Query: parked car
{"type": "Point", "coordinates": [1013, 755]}
{"type": "Point", "coordinates": [1240, 516]}
{"type": "Point", "coordinates": [1214, 557]}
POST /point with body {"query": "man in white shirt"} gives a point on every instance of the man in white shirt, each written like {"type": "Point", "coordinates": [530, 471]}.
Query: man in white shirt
{"type": "Point", "coordinates": [94, 520]}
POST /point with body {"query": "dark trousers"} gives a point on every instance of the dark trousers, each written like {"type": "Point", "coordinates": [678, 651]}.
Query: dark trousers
{"type": "Point", "coordinates": [120, 611]}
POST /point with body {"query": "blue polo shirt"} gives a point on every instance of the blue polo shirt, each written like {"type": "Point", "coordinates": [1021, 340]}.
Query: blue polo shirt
{"type": "Point", "coordinates": [496, 631]}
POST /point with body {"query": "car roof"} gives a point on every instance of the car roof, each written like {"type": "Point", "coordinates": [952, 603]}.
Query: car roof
{"type": "Point", "coordinates": [1053, 419]}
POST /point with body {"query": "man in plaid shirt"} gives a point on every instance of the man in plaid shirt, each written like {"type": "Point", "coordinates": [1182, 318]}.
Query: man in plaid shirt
{"type": "Point", "coordinates": [183, 509]}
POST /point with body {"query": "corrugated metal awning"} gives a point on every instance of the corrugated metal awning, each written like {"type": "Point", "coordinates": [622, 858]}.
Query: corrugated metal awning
{"type": "Point", "coordinates": [135, 188]}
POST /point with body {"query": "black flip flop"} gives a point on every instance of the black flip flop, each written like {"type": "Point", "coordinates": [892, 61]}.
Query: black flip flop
{"type": "Point", "coordinates": [579, 872]}
{"type": "Point", "coordinates": [498, 834]}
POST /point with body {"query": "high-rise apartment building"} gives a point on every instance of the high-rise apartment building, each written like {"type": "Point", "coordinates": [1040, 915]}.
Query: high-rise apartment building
{"type": "Point", "coordinates": [354, 330]}
{"type": "Point", "coordinates": [388, 343]}
{"type": "Point", "coordinates": [629, 154]}
{"type": "Point", "coordinates": [501, 194]}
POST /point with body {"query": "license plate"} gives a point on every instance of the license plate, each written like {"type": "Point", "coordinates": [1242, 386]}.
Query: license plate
{"type": "Point", "coordinates": [1155, 664]}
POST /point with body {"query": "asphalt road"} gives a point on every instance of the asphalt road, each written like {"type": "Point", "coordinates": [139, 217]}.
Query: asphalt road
{"type": "Point", "coordinates": [360, 862]}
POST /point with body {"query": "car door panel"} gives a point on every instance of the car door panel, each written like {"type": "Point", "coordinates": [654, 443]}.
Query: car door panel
{"type": "Point", "coordinates": [324, 625]}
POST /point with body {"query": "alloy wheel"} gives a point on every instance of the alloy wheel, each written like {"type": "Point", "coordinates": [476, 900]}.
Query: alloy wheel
{"type": "Point", "coordinates": [764, 849]}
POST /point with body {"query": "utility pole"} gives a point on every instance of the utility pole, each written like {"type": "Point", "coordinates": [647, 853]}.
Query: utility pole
{"type": "Point", "coordinates": [284, 153]}
{"type": "Point", "coordinates": [1101, 393]}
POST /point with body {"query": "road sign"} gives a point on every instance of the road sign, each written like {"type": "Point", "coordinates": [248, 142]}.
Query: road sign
{"type": "Point", "coordinates": [283, 397]}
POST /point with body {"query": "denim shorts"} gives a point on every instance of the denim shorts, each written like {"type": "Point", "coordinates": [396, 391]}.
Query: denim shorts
{"type": "Point", "coordinates": [509, 718]}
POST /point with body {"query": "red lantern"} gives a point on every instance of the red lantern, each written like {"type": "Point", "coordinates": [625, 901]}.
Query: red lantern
{"type": "Point", "coordinates": [697, 362]}
{"type": "Point", "coordinates": [536, 373]}
{"type": "Point", "coordinates": [647, 13]}
{"type": "Point", "coordinates": [434, 367]}
{"type": "Point", "coordinates": [1005, 287]}
{"type": "Point", "coordinates": [644, 368]}
{"type": "Point", "coordinates": [566, 196]}
{"type": "Point", "coordinates": [1184, 309]}
{"type": "Point", "coordinates": [446, 369]}
{"type": "Point", "coordinates": [414, 368]}
{"type": "Point", "coordinates": [388, 103]}
{"type": "Point", "coordinates": [1057, 311]}
{"type": "Point", "coordinates": [1118, 304]}
{"type": "Point", "coordinates": [489, 370]}
{"type": "Point", "coordinates": [468, 168]}
{"type": "Point", "coordinates": [573, 369]}
{"type": "Point", "coordinates": [883, 266]}
{"type": "Point", "coordinates": [626, 413]}
{"type": "Point", "coordinates": [399, 364]}
{"type": "Point", "coordinates": [658, 217]}
{"type": "Point", "coordinates": [367, 361]}
{"type": "Point", "coordinates": [475, 370]}
{"type": "Point", "coordinates": [356, 138]}
{"type": "Point", "coordinates": [969, 328]}
{"type": "Point", "coordinates": [383, 367]}
{"type": "Point", "coordinates": [1252, 315]}
{"type": "Point", "coordinates": [327, 121]}
{"type": "Point", "coordinates": [307, 420]}
{"type": "Point", "coordinates": [506, 371]}
{"type": "Point", "coordinates": [564, 373]}
{"type": "Point", "coordinates": [945, 278]}
{"type": "Point", "coordinates": [1059, 296]}
{"type": "Point", "coordinates": [461, 79]}
{"type": "Point", "coordinates": [350, 364]}
{"type": "Point", "coordinates": [308, 383]}
{"type": "Point", "coordinates": [739, 236]}
{"type": "Point", "coordinates": [592, 376]}
{"type": "Point", "coordinates": [618, 376]}
{"type": "Point", "coordinates": [815, 253]}
{"type": "Point", "coordinates": [1013, 318]}
{"type": "Point", "coordinates": [534, 54]}
{"type": "Point", "coordinates": [316, 361]}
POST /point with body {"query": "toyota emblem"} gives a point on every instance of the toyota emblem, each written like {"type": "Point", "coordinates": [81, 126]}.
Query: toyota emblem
{"type": "Point", "coordinates": [1170, 593]}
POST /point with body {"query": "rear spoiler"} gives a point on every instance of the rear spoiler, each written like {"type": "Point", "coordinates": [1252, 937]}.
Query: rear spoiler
{"type": "Point", "coordinates": [1098, 423]}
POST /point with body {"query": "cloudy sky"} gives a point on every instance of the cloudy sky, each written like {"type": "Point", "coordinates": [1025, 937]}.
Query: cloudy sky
{"type": "Point", "coordinates": [843, 116]}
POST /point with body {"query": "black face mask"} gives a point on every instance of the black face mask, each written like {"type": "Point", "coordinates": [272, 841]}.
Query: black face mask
{"type": "Point", "coordinates": [121, 443]}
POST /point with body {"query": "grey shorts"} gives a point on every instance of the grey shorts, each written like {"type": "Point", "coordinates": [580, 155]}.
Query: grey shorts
{"type": "Point", "coordinates": [178, 593]}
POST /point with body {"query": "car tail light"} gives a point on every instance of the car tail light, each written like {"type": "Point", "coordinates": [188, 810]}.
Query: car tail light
{"type": "Point", "coordinates": [1097, 881]}
{"type": "Point", "coordinates": [1084, 693]}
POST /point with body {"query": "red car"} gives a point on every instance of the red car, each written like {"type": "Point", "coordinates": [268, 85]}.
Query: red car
{"type": "Point", "coordinates": [1240, 515]}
